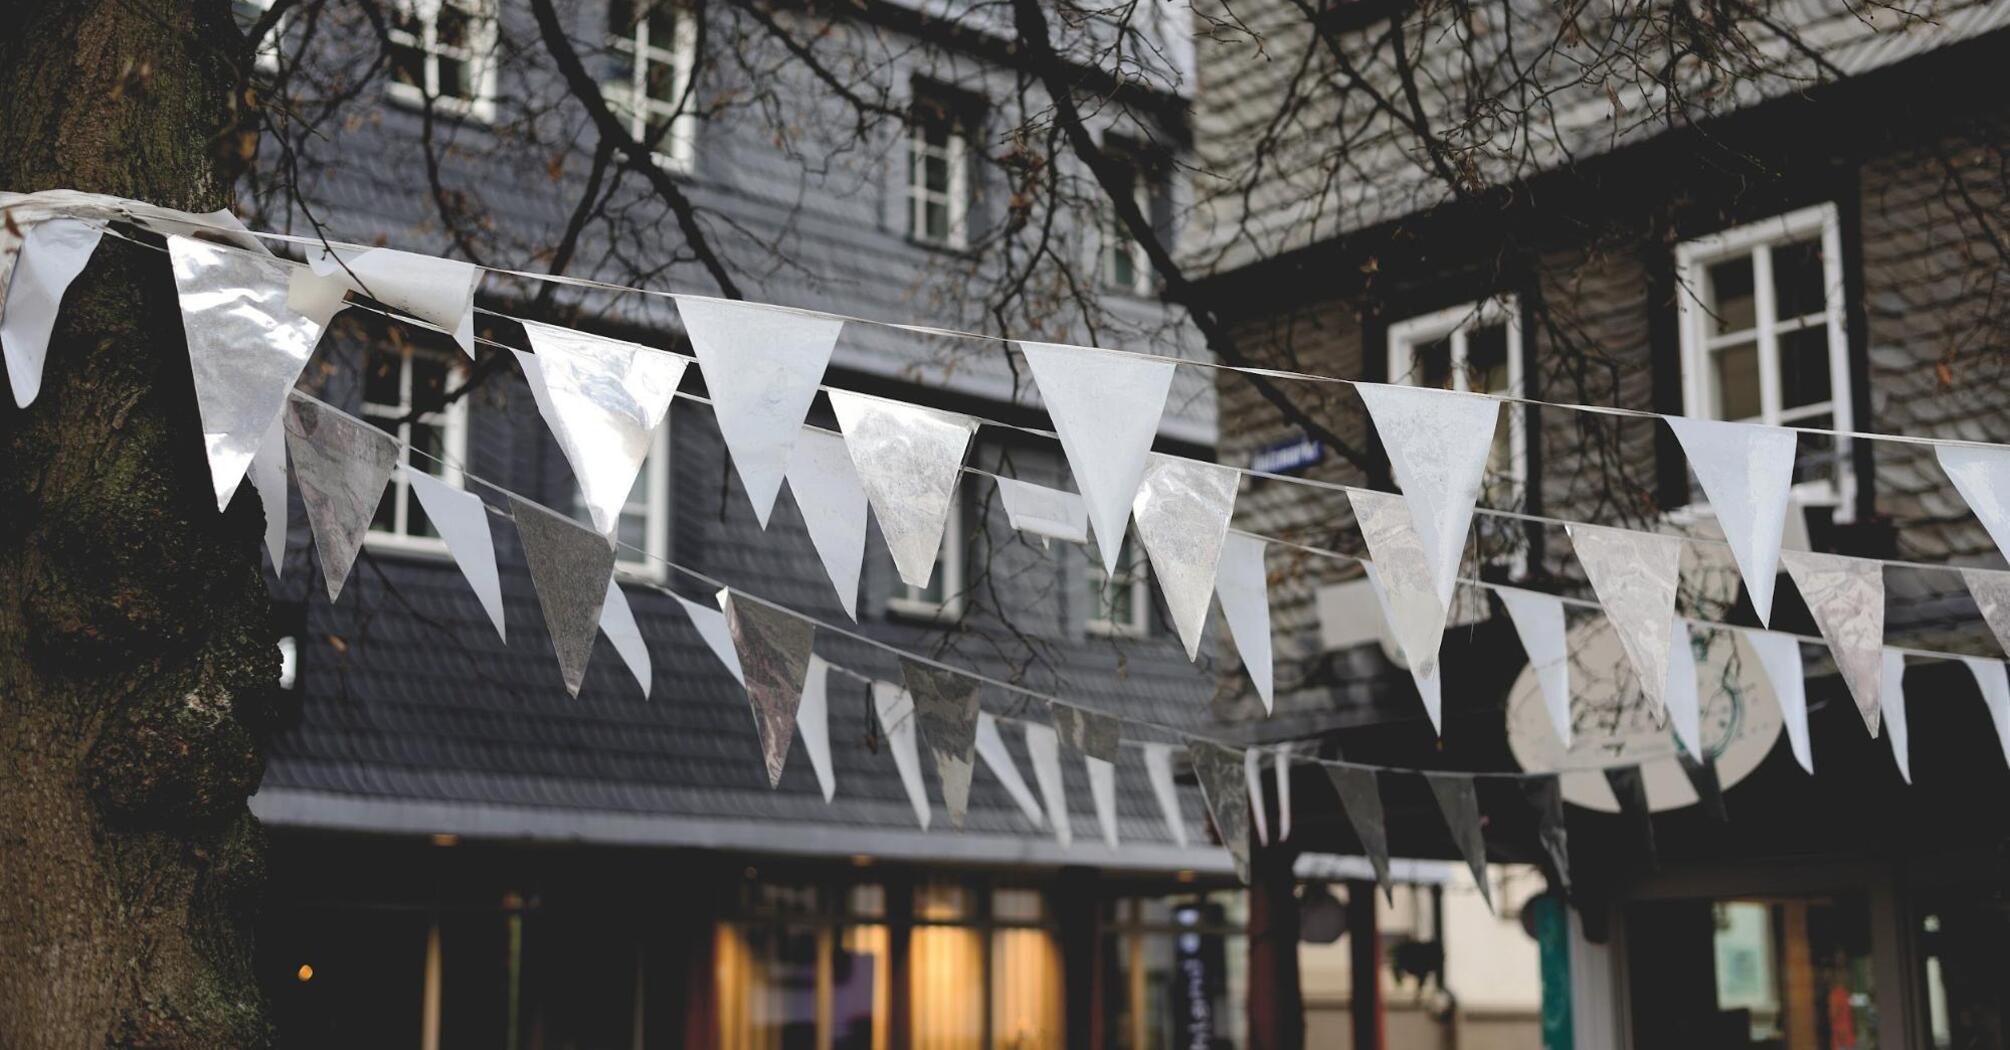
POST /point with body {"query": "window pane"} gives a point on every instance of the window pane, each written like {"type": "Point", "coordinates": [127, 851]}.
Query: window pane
{"type": "Point", "coordinates": [936, 221]}
{"type": "Point", "coordinates": [1736, 378]}
{"type": "Point", "coordinates": [662, 24]}
{"type": "Point", "coordinates": [633, 533]}
{"type": "Point", "coordinates": [948, 969]}
{"type": "Point", "coordinates": [860, 985]}
{"type": "Point", "coordinates": [1804, 367]}
{"type": "Point", "coordinates": [941, 902]}
{"type": "Point", "coordinates": [1815, 454]}
{"type": "Point", "coordinates": [429, 383]}
{"type": "Point", "coordinates": [1797, 279]}
{"type": "Point", "coordinates": [429, 446]}
{"type": "Point", "coordinates": [621, 17]}
{"type": "Point", "coordinates": [380, 378]}
{"type": "Point", "coordinates": [455, 81]}
{"type": "Point", "coordinates": [1487, 359]}
{"type": "Point", "coordinates": [1732, 304]}
{"type": "Point", "coordinates": [453, 26]}
{"type": "Point", "coordinates": [766, 980]}
{"type": "Point", "coordinates": [660, 81]}
{"type": "Point", "coordinates": [1017, 905]}
{"type": "Point", "coordinates": [1431, 364]}
{"type": "Point", "coordinates": [935, 171]}
{"type": "Point", "coordinates": [1026, 993]}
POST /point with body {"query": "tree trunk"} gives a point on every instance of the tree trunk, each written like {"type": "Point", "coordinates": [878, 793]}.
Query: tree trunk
{"type": "Point", "coordinates": [136, 656]}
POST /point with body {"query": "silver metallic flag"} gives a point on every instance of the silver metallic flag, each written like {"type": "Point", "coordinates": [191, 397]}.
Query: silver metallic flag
{"type": "Point", "coordinates": [617, 622]}
{"type": "Point", "coordinates": [1402, 575]}
{"type": "Point", "coordinates": [50, 255]}
{"type": "Point", "coordinates": [1635, 576]}
{"type": "Point", "coordinates": [1044, 512]}
{"type": "Point", "coordinates": [1158, 769]}
{"type": "Point", "coordinates": [1993, 679]}
{"type": "Point", "coordinates": [1220, 772]}
{"type": "Point", "coordinates": [896, 719]}
{"type": "Point", "coordinates": [1846, 596]}
{"type": "Point", "coordinates": [247, 343]}
{"type": "Point", "coordinates": [762, 366]}
{"type": "Point", "coordinates": [833, 506]}
{"type": "Point", "coordinates": [341, 465]}
{"type": "Point", "coordinates": [1891, 702]}
{"type": "Point", "coordinates": [1182, 509]}
{"type": "Point", "coordinates": [1438, 443]}
{"type": "Point", "coordinates": [1243, 586]}
{"type": "Point", "coordinates": [570, 565]}
{"type": "Point", "coordinates": [909, 459]}
{"type": "Point", "coordinates": [1780, 657]}
{"type": "Point", "coordinates": [1539, 622]}
{"type": "Point", "coordinates": [462, 520]}
{"type": "Point", "coordinates": [1982, 476]}
{"type": "Point", "coordinates": [774, 648]}
{"type": "Point", "coordinates": [1461, 807]}
{"type": "Point", "coordinates": [1747, 471]}
{"type": "Point", "coordinates": [1545, 796]}
{"type": "Point", "coordinates": [1094, 737]}
{"type": "Point", "coordinates": [268, 477]}
{"type": "Point", "coordinates": [1043, 747]}
{"type": "Point", "coordinates": [1105, 407]}
{"type": "Point", "coordinates": [946, 704]}
{"type": "Point", "coordinates": [1991, 591]}
{"type": "Point", "coordinates": [991, 748]}
{"type": "Point", "coordinates": [1361, 800]}
{"type": "Point", "coordinates": [438, 291]}
{"type": "Point", "coordinates": [813, 725]}
{"type": "Point", "coordinates": [603, 400]}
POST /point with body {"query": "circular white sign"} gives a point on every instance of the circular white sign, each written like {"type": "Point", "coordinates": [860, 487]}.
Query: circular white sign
{"type": "Point", "coordinates": [1612, 725]}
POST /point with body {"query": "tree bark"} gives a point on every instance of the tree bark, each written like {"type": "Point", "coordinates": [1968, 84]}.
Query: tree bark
{"type": "Point", "coordinates": [136, 653]}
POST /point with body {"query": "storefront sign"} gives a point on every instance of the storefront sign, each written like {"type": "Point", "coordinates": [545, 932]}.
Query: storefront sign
{"type": "Point", "coordinates": [1200, 971]}
{"type": "Point", "coordinates": [1287, 457]}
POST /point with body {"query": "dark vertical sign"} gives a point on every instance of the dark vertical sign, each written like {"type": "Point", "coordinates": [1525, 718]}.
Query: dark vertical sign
{"type": "Point", "coordinates": [1200, 977]}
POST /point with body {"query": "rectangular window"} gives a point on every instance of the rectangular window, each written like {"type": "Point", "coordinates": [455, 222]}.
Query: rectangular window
{"type": "Point", "coordinates": [444, 50]}
{"type": "Point", "coordinates": [938, 175]}
{"type": "Point", "coordinates": [655, 43]}
{"type": "Point", "coordinates": [1763, 340]}
{"type": "Point", "coordinates": [943, 597]}
{"type": "Point", "coordinates": [1120, 604]}
{"type": "Point", "coordinates": [404, 394]}
{"type": "Point", "coordinates": [1124, 266]}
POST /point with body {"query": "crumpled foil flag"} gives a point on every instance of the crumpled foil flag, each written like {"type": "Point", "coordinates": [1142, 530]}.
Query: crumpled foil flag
{"type": "Point", "coordinates": [1105, 407]}
{"type": "Point", "coordinates": [440, 292]}
{"type": "Point", "coordinates": [1846, 596]}
{"type": "Point", "coordinates": [1182, 510]}
{"type": "Point", "coordinates": [1635, 575]}
{"type": "Point", "coordinates": [833, 505]}
{"type": "Point", "coordinates": [1438, 443]}
{"type": "Point", "coordinates": [1545, 796]}
{"type": "Point", "coordinates": [909, 459]}
{"type": "Point", "coordinates": [603, 400]}
{"type": "Point", "coordinates": [813, 726]}
{"type": "Point", "coordinates": [896, 719]}
{"type": "Point", "coordinates": [998, 758]}
{"type": "Point", "coordinates": [762, 366]}
{"type": "Point", "coordinates": [1991, 591]}
{"type": "Point", "coordinates": [1430, 688]}
{"type": "Point", "coordinates": [1461, 807]}
{"type": "Point", "coordinates": [1159, 771]}
{"type": "Point", "coordinates": [341, 465]}
{"type": "Point", "coordinates": [1044, 512]}
{"type": "Point", "coordinates": [1982, 476]}
{"type": "Point", "coordinates": [570, 565]}
{"type": "Point", "coordinates": [1780, 657]}
{"type": "Point", "coordinates": [1094, 737]}
{"type": "Point", "coordinates": [1891, 703]}
{"type": "Point", "coordinates": [1223, 785]}
{"type": "Point", "coordinates": [617, 622]}
{"type": "Point", "coordinates": [462, 520]}
{"type": "Point", "coordinates": [1361, 801]}
{"type": "Point", "coordinates": [946, 703]}
{"type": "Point", "coordinates": [1539, 622]}
{"type": "Point", "coordinates": [774, 648]}
{"type": "Point", "coordinates": [1043, 747]}
{"type": "Point", "coordinates": [1243, 585]}
{"type": "Point", "coordinates": [1747, 471]}
{"type": "Point", "coordinates": [1402, 574]}
{"type": "Point", "coordinates": [35, 272]}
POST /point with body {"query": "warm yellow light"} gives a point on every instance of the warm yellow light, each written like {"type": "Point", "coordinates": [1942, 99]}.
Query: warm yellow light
{"type": "Point", "coordinates": [304, 974]}
{"type": "Point", "coordinates": [446, 838]}
{"type": "Point", "coordinates": [1184, 875]}
{"type": "Point", "coordinates": [861, 860]}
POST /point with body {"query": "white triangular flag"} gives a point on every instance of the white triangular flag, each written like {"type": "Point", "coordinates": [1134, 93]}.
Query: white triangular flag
{"type": "Point", "coordinates": [1683, 693]}
{"type": "Point", "coordinates": [1402, 575]}
{"type": "Point", "coordinates": [1252, 775]}
{"type": "Point", "coordinates": [570, 565]}
{"type": "Point", "coordinates": [1635, 576]}
{"type": "Point", "coordinates": [1105, 407]}
{"type": "Point", "coordinates": [1044, 512]}
{"type": "Point", "coordinates": [1780, 657]}
{"type": "Point", "coordinates": [1993, 679]}
{"type": "Point", "coordinates": [833, 504]}
{"type": "Point", "coordinates": [1891, 702]}
{"type": "Point", "coordinates": [1982, 476]}
{"type": "Point", "coordinates": [991, 747]}
{"type": "Point", "coordinates": [896, 719]}
{"type": "Point", "coordinates": [603, 400]}
{"type": "Point", "coordinates": [1430, 688]}
{"type": "Point", "coordinates": [1159, 770]}
{"type": "Point", "coordinates": [1538, 621]}
{"type": "Point", "coordinates": [1043, 746]}
{"type": "Point", "coordinates": [617, 622]}
{"type": "Point", "coordinates": [909, 459]}
{"type": "Point", "coordinates": [1846, 596]}
{"type": "Point", "coordinates": [462, 520]}
{"type": "Point", "coordinates": [342, 465]}
{"type": "Point", "coordinates": [1747, 471]}
{"type": "Point", "coordinates": [762, 366]}
{"type": "Point", "coordinates": [1991, 591]}
{"type": "Point", "coordinates": [813, 724]}
{"type": "Point", "coordinates": [711, 627]}
{"type": "Point", "coordinates": [1283, 792]}
{"type": "Point", "coordinates": [1182, 510]}
{"type": "Point", "coordinates": [1243, 585]}
{"type": "Point", "coordinates": [1438, 443]}
{"type": "Point", "coordinates": [438, 291]}
{"type": "Point", "coordinates": [268, 477]}
{"type": "Point", "coordinates": [51, 255]}
{"type": "Point", "coordinates": [246, 347]}
{"type": "Point", "coordinates": [1103, 792]}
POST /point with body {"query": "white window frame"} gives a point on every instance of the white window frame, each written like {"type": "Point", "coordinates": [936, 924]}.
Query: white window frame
{"type": "Point", "coordinates": [956, 154]}
{"type": "Point", "coordinates": [912, 602]}
{"type": "Point", "coordinates": [478, 56]}
{"type": "Point", "coordinates": [1692, 262]}
{"type": "Point", "coordinates": [453, 423]}
{"type": "Point", "coordinates": [656, 514]}
{"type": "Point", "coordinates": [1140, 583]}
{"type": "Point", "coordinates": [678, 151]}
{"type": "Point", "coordinates": [1116, 239]}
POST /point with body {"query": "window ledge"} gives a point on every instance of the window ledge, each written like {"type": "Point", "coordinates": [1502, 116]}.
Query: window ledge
{"type": "Point", "coordinates": [478, 111]}
{"type": "Point", "coordinates": [923, 612]}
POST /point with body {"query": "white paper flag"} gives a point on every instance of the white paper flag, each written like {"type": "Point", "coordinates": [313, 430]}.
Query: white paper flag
{"type": "Point", "coordinates": [1283, 792]}
{"type": "Point", "coordinates": [617, 622]}
{"type": "Point", "coordinates": [1993, 679]}
{"type": "Point", "coordinates": [1635, 575]}
{"type": "Point", "coordinates": [1159, 770]}
{"type": "Point", "coordinates": [813, 724]}
{"type": "Point", "coordinates": [1043, 746]}
{"type": "Point", "coordinates": [896, 719]}
{"type": "Point", "coordinates": [1685, 702]}
{"type": "Point", "coordinates": [1243, 585]}
{"type": "Point", "coordinates": [342, 465]}
{"type": "Point", "coordinates": [711, 627]}
{"type": "Point", "coordinates": [832, 501]}
{"type": "Point", "coordinates": [762, 366]}
{"type": "Point", "coordinates": [1182, 509]}
{"type": "Point", "coordinates": [998, 758]}
{"type": "Point", "coordinates": [1044, 512]}
{"type": "Point", "coordinates": [51, 255]}
{"type": "Point", "coordinates": [1780, 657]}
{"type": "Point", "coordinates": [1982, 476]}
{"type": "Point", "coordinates": [603, 400]}
{"type": "Point", "coordinates": [1252, 775]}
{"type": "Point", "coordinates": [1539, 622]}
{"type": "Point", "coordinates": [1991, 591]}
{"type": "Point", "coordinates": [1846, 596]}
{"type": "Point", "coordinates": [909, 459]}
{"type": "Point", "coordinates": [463, 522]}
{"type": "Point", "coordinates": [1402, 576]}
{"type": "Point", "coordinates": [268, 476]}
{"type": "Point", "coordinates": [434, 290]}
{"type": "Point", "coordinates": [1438, 443]}
{"type": "Point", "coordinates": [1891, 702]}
{"type": "Point", "coordinates": [246, 347]}
{"type": "Point", "coordinates": [1105, 408]}
{"type": "Point", "coordinates": [1103, 792]}
{"type": "Point", "coordinates": [1747, 471]}
{"type": "Point", "coordinates": [1430, 688]}
{"type": "Point", "coordinates": [570, 565]}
